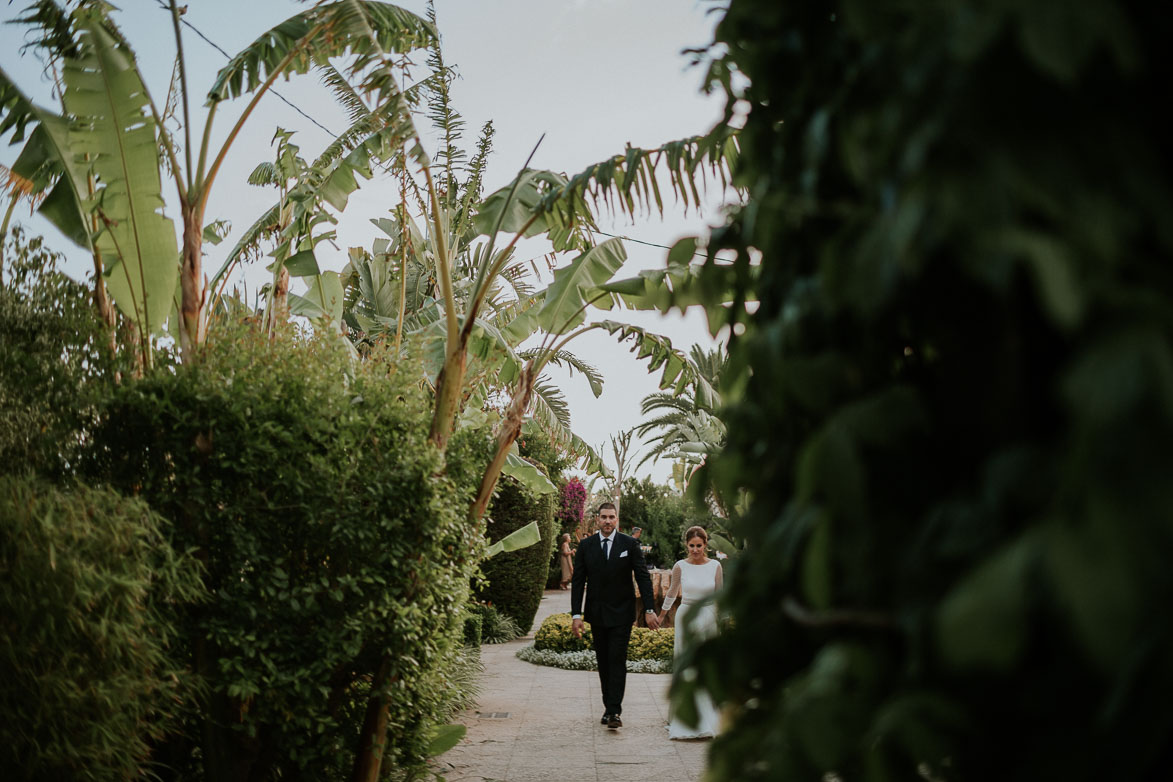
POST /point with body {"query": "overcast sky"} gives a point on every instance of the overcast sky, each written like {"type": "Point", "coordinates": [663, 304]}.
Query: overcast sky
{"type": "Point", "coordinates": [592, 75]}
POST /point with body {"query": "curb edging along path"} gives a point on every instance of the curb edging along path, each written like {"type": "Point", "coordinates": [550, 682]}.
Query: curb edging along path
{"type": "Point", "coordinates": [539, 724]}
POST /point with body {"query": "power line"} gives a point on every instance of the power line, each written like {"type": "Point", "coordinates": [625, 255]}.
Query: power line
{"type": "Point", "coordinates": [649, 244]}
{"type": "Point", "coordinates": [272, 90]}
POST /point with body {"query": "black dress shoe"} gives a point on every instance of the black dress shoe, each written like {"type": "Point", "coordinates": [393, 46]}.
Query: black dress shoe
{"type": "Point", "coordinates": [614, 722]}
{"type": "Point", "coordinates": [605, 720]}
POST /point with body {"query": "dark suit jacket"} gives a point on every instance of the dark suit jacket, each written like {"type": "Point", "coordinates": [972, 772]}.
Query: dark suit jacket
{"type": "Point", "coordinates": [610, 596]}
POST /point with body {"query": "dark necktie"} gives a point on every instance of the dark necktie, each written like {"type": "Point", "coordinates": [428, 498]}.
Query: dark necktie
{"type": "Point", "coordinates": [606, 548]}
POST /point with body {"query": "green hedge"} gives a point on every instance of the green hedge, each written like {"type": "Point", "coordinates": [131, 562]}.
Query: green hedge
{"type": "Point", "coordinates": [514, 580]}
{"type": "Point", "coordinates": [555, 635]}
{"type": "Point", "coordinates": [306, 485]}
{"type": "Point", "coordinates": [89, 678]}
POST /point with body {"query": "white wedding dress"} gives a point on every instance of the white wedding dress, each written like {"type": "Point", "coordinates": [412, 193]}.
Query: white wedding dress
{"type": "Point", "coordinates": [692, 583]}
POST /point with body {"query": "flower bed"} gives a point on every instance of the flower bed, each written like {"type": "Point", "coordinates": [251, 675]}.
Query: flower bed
{"type": "Point", "coordinates": [648, 651]}
{"type": "Point", "coordinates": [585, 660]}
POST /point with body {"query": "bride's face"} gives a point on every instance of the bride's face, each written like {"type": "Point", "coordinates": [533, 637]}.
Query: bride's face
{"type": "Point", "coordinates": [696, 548]}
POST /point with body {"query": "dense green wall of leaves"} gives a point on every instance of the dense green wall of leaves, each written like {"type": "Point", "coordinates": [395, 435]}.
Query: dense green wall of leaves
{"type": "Point", "coordinates": [305, 484]}
{"type": "Point", "coordinates": [957, 435]}
{"type": "Point", "coordinates": [87, 593]}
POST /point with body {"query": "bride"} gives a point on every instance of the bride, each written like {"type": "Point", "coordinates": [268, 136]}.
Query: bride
{"type": "Point", "coordinates": [695, 578]}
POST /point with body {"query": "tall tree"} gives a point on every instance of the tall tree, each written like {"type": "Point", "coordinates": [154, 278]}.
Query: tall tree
{"type": "Point", "coordinates": [110, 145]}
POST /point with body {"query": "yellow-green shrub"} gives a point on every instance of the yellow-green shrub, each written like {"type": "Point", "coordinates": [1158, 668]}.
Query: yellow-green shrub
{"type": "Point", "coordinates": [645, 644]}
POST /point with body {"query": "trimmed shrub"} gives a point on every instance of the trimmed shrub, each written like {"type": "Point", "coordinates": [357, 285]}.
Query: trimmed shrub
{"type": "Point", "coordinates": [473, 628]}
{"type": "Point", "coordinates": [89, 680]}
{"type": "Point", "coordinates": [555, 635]}
{"type": "Point", "coordinates": [305, 483]}
{"type": "Point", "coordinates": [514, 580]}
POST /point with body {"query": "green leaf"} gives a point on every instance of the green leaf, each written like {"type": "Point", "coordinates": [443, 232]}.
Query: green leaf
{"type": "Point", "coordinates": [342, 28]}
{"type": "Point", "coordinates": [518, 539]}
{"type": "Point", "coordinates": [116, 134]}
{"type": "Point", "coordinates": [527, 474]}
{"type": "Point", "coordinates": [303, 264]}
{"type": "Point", "coordinates": [982, 623]}
{"type": "Point", "coordinates": [322, 300]}
{"type": "Point", "coordinates": [816, 573]}
{"type": "Point", "coordinates": [564, 305]}
{"type": "Point", "coordinates": [444, 738]}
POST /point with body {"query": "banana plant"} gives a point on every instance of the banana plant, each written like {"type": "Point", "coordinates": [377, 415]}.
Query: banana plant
{"type": "Point", "coordinates": [116, 137]}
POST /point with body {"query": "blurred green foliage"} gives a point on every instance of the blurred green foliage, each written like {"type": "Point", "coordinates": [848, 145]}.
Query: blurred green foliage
{"type": "Point", "coordinates": [88, 590]}
{"type": "Point", "coordinates": [329, 533]}
{"type": "Point", "coordinates": [957, 434]}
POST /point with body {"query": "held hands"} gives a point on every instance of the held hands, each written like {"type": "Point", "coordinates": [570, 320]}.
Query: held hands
{"type": "Point", "coordinates": [576, 627]}
{"type": "Point", "coordinates": [653, 621]}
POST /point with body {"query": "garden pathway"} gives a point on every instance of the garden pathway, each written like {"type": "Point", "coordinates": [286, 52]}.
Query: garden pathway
{"type": "Point", "coordinates": [539, 724]}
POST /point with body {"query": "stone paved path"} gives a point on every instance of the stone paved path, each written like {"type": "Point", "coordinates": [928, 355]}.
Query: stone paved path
{"type": "Point", "coordinates": [539, 724]}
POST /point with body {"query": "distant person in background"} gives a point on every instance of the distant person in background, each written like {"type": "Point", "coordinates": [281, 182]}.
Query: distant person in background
{"type": "Point", "coordinates": [694, 579]}
{"type": "Point", "coordinates": [566, 560]}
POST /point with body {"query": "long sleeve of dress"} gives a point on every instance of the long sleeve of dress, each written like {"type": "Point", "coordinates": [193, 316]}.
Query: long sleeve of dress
{"type": "Point", "coordinates": [673, 590]}
{"type": "Point", "coordinates": [719, 580]}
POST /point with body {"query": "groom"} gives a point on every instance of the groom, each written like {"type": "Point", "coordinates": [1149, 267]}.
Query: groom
{"type": "Point", "coordinates": [605, 564]}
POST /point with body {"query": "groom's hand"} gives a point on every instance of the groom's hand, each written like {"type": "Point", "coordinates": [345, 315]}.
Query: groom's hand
{"type": "Point", "coordinates": [576, 627]}
{"type": "Point", "coordinates": [653, 621]}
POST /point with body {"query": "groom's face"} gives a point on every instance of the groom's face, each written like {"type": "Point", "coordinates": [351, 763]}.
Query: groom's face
{"type": "Point", "coordinates": [607, 520]}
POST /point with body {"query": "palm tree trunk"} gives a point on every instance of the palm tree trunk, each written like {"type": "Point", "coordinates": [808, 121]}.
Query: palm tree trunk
{"type": "Point", "coordinates": [506, 437]}
{"type": "Point", "coordinates": [191, 280]}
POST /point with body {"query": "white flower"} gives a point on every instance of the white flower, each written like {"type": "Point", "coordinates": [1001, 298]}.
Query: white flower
{"type": "Point", "coordinates": [585, 661]}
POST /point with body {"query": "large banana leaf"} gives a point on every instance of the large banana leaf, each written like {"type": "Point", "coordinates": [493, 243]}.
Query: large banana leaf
{"type": "Point", "coordinates": [564, 304]}
{"type": "Point", "coordinates": [529, 476]}
{"type": "Point", "coordinates": [115, 133]}
{"type": "Point", "coordinates": [518, 539]}
{"type": "Point", "coordinates": [46, 161]}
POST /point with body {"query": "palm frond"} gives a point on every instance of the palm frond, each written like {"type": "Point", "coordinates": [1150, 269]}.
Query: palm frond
{"type": "Point", "coordinates": [318, 34]}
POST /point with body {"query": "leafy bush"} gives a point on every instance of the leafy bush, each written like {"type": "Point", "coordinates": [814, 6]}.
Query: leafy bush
{"type": "Point", "coordinates": [555, 636]}
{"type": "Point", "coordinates": [473, 628]}
{"type": "Point", "coordinates": [496, 628]}
{"type": "Point", "coordinates": [50, 354]}
{"type": "Point", "coordinates": [585, 661]}
{"type": "Point", "coordinates": [306, 485]}
{"type": "Point", "coordinates": [86, 625]}
{"type": "Point", "coordinates": [952, 407]}
{"type": "Point", "coordinates": [514, 580]}
{"type": "Point", "coordinates": [647, 644]}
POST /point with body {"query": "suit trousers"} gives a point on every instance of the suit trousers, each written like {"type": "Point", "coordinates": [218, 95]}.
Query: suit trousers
{"type": "Point", "coordinates": [611, 654]}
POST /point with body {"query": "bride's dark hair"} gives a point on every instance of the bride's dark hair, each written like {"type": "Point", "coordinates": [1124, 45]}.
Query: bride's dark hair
{"type": "Point", "coordinates": [696, 532]}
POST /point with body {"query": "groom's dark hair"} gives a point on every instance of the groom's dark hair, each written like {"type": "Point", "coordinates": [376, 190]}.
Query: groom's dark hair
{"type": "Point", "coordinates": [610, 505]}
